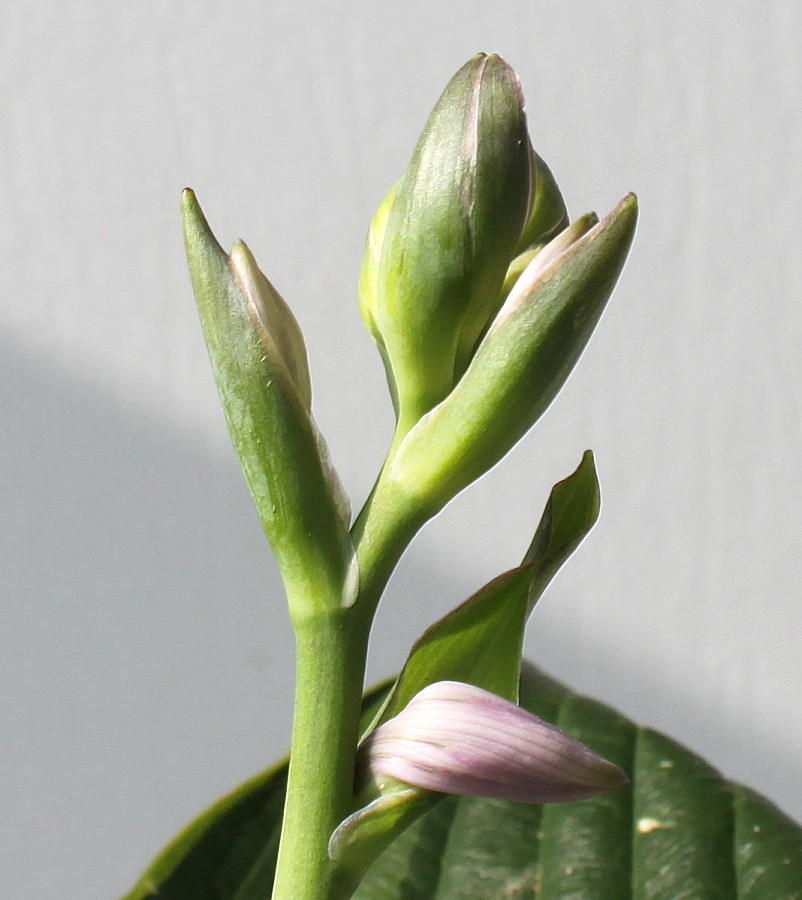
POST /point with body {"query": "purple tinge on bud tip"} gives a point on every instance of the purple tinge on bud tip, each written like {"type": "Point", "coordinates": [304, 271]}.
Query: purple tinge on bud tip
{"type": "Point", "coordinates": [459, 739]}
{"type": "Point", "coordinates": [276, 327]}
{"type": "Point", "coordinates": [541, 262]}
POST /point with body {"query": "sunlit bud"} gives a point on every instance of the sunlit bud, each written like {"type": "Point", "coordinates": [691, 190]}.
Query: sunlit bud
{"type": "Point", "coordinates": [452, 229]}
{"type": "Point", "coordinates": [522, 361]}
{"type": "Point", "coordinates": [459, 739]}
{"type": "Point", "coordinates": [276, 326]}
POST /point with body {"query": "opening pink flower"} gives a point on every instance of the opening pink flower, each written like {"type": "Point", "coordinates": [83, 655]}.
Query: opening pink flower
{"type": "Point", "coordinates": [456, 738]}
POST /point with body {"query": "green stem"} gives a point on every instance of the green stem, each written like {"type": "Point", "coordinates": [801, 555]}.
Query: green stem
{"type": "Point", "coordinates": [331, 651]}
{"type": "Point", "coordinates": [383, 530]}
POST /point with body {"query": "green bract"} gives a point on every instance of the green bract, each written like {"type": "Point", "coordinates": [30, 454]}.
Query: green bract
{"type": "Point", "coordinates": [259, 361]}
{"type": "Point", "coordinates": [547, 212]}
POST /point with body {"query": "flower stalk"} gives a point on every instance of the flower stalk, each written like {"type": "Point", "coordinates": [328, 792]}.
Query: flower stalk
{"type": "Point", "coordinates": [480, 297]}
{"type": "Point", "coordinates": [330, 660]}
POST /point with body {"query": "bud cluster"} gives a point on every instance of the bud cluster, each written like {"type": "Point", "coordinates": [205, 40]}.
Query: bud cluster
{"type": "Point", "coordinates": [478, 293]}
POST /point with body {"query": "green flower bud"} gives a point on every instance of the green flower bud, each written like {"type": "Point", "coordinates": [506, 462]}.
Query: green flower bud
{"type": "Point", "coordinates": [547, 214]}
{"type": "Point", "coordinates": [521, 363]}
{"type": "Point", "coordinates": [276, 327]}
{"type": "Point", "coordinates": [535, 262]}
{"type": "Point", "coordinates": [452, 229]}
{"type": "Point", "coordinates": [544, 253]}
{"type": "Point", "coordinates": [259, 361]}
{"type": "Point", "coordinates": [369, 282]}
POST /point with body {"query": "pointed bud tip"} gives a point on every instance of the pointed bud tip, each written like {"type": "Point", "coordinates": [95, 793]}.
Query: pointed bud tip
{"type": "Point", "coordinates": [621, 220]}
{"type": "Point", "coordinates": [241, 254]}
{"type": "Point", "coordinates": [198, 234]}
{"type": "Point", "coordinates": [189, 204]}
{"type": "Point", "coordinates": [628, 205]}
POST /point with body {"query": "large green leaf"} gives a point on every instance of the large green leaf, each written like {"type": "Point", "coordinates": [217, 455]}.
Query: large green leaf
{"type": "Point", "coordinates": [680, 831]}
{"type": "Point", "coordinates": [229, 851]}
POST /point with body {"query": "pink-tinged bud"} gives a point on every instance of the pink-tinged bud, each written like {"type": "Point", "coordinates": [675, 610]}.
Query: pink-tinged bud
{"type": "Point", "coordinates": [538, 262]}
{"type": "Point", "coordinates": [459, 739]}
{"type": "Point", "coordinates": [276, 327]}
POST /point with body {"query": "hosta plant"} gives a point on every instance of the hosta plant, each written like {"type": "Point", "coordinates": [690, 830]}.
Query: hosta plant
{"type": "Point", "coordinates": [464, 777]}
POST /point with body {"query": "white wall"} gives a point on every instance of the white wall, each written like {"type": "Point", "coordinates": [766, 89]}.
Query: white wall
{"type": "Point", "coordinates": [146, 657]}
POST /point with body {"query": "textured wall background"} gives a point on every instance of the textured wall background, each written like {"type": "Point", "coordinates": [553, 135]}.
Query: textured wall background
{"type": "Point", "coordinates": [146, 657]}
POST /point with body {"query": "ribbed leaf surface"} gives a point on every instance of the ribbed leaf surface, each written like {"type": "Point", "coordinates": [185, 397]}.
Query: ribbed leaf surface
{"type": "Point", "coordinates": [680, 832]}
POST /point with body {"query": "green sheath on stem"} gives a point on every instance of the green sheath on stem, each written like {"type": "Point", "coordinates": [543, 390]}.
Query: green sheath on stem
{"type": "Point", "coordinates": [259, 362]}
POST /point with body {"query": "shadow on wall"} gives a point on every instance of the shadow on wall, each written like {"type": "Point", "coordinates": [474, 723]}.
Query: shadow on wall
{"type": "Point", "coordinates": [143, 631]}
{"type": "Point", "coordinates": [145, 638]}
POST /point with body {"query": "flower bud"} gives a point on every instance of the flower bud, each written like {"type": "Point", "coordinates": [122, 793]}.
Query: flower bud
{"type": "Point", "coordinates": [536, 262]}
{"type": "Point", "coordinates": [547, 213]}
{"type": "Point", "coordinates": [369, 283]}
{"type": "Point", "coordinates": [456, 738]}
{"type": "Point", "coordinates": [452, 229]}
{"type": "Point", "coordinates": [522, 361]}
{"type": "Point", "coordinates": [259, 361]}
{"type": "Point", "coordinates": [276, 327]}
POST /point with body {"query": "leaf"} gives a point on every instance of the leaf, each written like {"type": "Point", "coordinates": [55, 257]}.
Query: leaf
{"type": "Point", "coordinates": [768, 848]}
{"type": "Point", "coordinates": [229, 851]}
{"type": "Point", "coordinates": [479, 643]}
{"type": "Point", "coordinates": [681, 830]}
{"type": "Point", "coordinates": [571, 511]}
{"type": "Point", "coordinates": [232, 845]}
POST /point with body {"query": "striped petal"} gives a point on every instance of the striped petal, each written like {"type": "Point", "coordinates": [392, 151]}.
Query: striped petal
{"type": "Point", "coordinates": [456, 738]}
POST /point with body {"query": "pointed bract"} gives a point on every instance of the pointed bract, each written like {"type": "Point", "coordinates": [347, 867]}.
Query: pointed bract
{"type": "Point", "coordinates": [259, 361]}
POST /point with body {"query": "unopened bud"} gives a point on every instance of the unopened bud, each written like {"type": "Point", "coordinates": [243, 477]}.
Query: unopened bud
{"type": "Point", "coordinates": [452, 229]}
{"type": "Point", "coordinates": [369, 283]}
{"type": "Point", "coordinates": [537, 262]}
{"type": "Point", "coordinates": [277, 328]}
{"type": "Point", "coordinates": [459, 739]}
{"type": "Point", "coordinates": [259, 361]}
{"type": "Point", "coordinates": [522, 361]}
